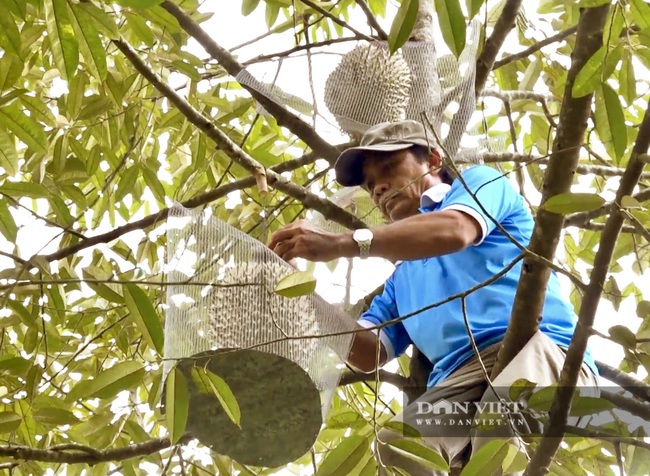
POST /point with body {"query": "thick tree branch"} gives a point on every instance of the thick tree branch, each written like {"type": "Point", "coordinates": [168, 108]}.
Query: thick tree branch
{"type": "Point", "coordinates": [493, 44]}
{"type": "Point", "coordinates": [531, 291]}
{"type": "Point", "coordinates": [536, 47]}
{"type": "Point", "coordinates": [86, 455]}
{"type": "Point", "coordinates": [561, 405]}
{"type": "Point", "coordinates": [372, 21]}
{"type": "Point", "coordinates": [284, 117]}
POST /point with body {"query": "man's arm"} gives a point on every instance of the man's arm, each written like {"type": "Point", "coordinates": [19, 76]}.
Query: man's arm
{"type": "Point", "coordinates": [420, 236]}
{"type": "Point", "coordinates": [363, 353]}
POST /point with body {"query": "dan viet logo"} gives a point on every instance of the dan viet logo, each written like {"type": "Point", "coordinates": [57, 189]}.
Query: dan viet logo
{"type": "Point", "coordinates": [464, 414]}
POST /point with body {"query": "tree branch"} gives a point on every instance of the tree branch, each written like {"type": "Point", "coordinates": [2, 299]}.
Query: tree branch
{"type": "Point", "coordinates": [310, 200]}
{"type": "Point", "coordinates": [295, 49]}
{"type": "Point", "coordinates": [536, 47]}
{"type": "Point", "coordinates": [560, 407]}
{"type": "Point", "coordinates": [582, 218]}
{"type": "Point", "coordinates": [493, 44]}
{"type": "Point", "coordinates": [397, 380]}
{"type": "Point", "coordinates": [372, 21]}
{"type": "Point", "coordinates": [636, 387]}
{"type": "Point", "coordinates": [194, 202]}
{"type": "Point", "coordinates": [78, 454]}
{"type": "Point", "coordinates": [283, 117]}
{"type": "Point", "coordinates": [531, 291]}
{"type": "Point", "coordinates": [611, 437]}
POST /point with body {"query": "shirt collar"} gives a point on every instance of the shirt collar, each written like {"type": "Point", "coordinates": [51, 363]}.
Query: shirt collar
{"type": "Point", "coordinates": [434, 195]}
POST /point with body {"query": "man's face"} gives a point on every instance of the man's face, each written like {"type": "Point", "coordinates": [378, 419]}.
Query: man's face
{"type": "Point", "coordinates": [396, 182]}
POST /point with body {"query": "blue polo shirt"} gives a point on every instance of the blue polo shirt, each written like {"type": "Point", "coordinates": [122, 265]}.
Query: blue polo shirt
{"type": "Point", "coordinates": [440, 333]}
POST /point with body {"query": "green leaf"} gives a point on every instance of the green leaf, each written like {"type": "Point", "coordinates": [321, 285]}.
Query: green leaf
{"type": "Point", "coordinates": [623, 336]}
{"type": "Point", "coordinates": [9, 33]}
{"type": "Point", "coordinates": [249, 6]}
{"type": "Point", "coordinates": [628, 202]}
{"type": "Point", "coordinates": [55, 417]}
{"type": "Point", "coordinates": [570, 202]}
{"type": "Point", "coordinates": [296, 284]}
{"type": "Point", "coordinates": [616, 120]}
{"type": "Point", "coordinates": [8, 154]}
{"type": "Point", "coordinates": [107, 384]}
{"type": "Point", "coordinates": [177, 403]}
{"type": "Point", "coordinates": [349, 419]}
{"type": "Point", "coordinates": [592, 3]}
{"type": "Point", "coordinates": [344, 457]}
{"type": "Point", "coordinates": [9, 422]}
{"type": "Point", "coordinates": [452, 24]}
{"type": "Point", "coordinates": [487, 459]}
{"type": "Point", "coordinates": [420, 453]}
{"type": "Point", "coordinates": [643, 309]}
{"type": "Point", "coordinates": [91, 46]}
{"type": "Point", "coordinates": [590, 76]}
{"type": "Point", "coordinates": [542, 399]}
{"type": "Point", "coordinates": [11, 67]}
{"type": "Point", "coordinates": [207, 381]}
{"type": "Point", "coordinates": [8, 226]}
{"type": "Point", "coordinates": [105, 22]}
{"type": "Point", "coordinates": [403, 429]}
{"type": "Point", "coordinates": [521, 388]}
{"type": "Point", "coordinates": [583, 406]}
{"type": "Point", "coordinates": [24, 189]}
{"type": "Point", "coordinates": [17, 7]}
{"type": "Point", "coordinates": [641, 13]}
{"type": "Point", "coordinates": [145, 316]}
{"type": "Point", "coordinates": [63, 43]}
{"type": "Point", "coordinates": [25, 128]}
{"type": "Point", "coordinates": [473, 7]}
{"type": "Point", "coordinates": [271, 14]}
{"type": "Point", "coordinates": [627, 80]}
{"type": "Point", "coordinates": [139, 27]}
{"type": "Point", "coordinates": [403, 24]}
{"type": "Point", "coordinates": [139, 3]}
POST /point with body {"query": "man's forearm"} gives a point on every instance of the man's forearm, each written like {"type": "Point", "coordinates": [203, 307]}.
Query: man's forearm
{"type": "Point", "coordinates": [364, 353]}
{"type": "Point", "coordinates": [420, 236]}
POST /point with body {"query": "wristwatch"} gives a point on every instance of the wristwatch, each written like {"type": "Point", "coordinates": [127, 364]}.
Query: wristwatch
{"type": "Point", "coordinates": [363, 237]}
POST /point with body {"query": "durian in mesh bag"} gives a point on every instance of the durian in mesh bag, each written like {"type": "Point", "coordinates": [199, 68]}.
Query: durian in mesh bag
{"type": "Point", "coordinates": [225, 322]}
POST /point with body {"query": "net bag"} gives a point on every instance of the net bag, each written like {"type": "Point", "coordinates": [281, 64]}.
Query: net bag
{"type": "Point", "coordinates": [275, 353]}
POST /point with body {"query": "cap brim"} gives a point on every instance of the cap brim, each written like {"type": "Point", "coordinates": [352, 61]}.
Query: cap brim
{"type": "Point", "coordinates": [349, 166]}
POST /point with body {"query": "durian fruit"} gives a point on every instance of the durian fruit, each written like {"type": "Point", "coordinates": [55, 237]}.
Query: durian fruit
{"type": "Point", "coordinates": [368, 86]}
{"type": "Point", "coordinates": [245, 311]}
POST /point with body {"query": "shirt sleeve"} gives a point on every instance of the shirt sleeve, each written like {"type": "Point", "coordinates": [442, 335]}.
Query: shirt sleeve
{"type": "Point", "coordinates": [383, 309]}
{"type": "Point", "coordinates": [495, 197]}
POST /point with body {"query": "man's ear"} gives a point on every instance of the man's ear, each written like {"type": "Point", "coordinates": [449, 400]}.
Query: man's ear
{"type": "Point", "coordinates": [434, 159]}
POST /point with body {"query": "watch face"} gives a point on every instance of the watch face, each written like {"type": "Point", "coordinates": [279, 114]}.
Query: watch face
{"type": "Point", "coordinates": [362, 235]}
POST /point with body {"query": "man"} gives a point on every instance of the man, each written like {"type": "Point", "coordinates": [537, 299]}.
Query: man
{"type": "Point", "coordinates": [443, 232]}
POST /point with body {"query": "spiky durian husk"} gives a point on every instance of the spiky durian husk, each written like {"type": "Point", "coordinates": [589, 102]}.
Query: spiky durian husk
{"type": "Point", "coordinates": [368, 86]}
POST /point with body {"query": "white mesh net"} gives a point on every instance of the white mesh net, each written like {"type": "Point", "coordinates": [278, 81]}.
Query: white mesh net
{"type": "Point", "coordinates": [221, 296]}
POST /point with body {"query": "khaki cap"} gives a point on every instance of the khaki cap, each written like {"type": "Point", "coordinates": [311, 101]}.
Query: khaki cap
{"type": "Point", "coordinates": [384, 137]}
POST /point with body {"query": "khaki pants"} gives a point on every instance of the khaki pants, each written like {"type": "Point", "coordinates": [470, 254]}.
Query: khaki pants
{"type": "Point", "coordinates": [540, 361]}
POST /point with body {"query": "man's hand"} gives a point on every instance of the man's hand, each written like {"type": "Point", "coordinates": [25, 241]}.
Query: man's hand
{"type": "Point", "coordinates": [302, 240]}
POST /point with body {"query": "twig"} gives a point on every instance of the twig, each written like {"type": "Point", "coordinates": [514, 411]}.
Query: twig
{"type": "Point", "coordinates": [536, 47]}
{"type": "Point", "coordinates": [372, 21]}
{"type": "Point", "coordinates": [285, 53]}
{"type": "Point", "coordinates": [335, 19]}
{"type": "Point", "coordinates": [579, 219]}
{"type": "Point", "coordinates": [601, 435]}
